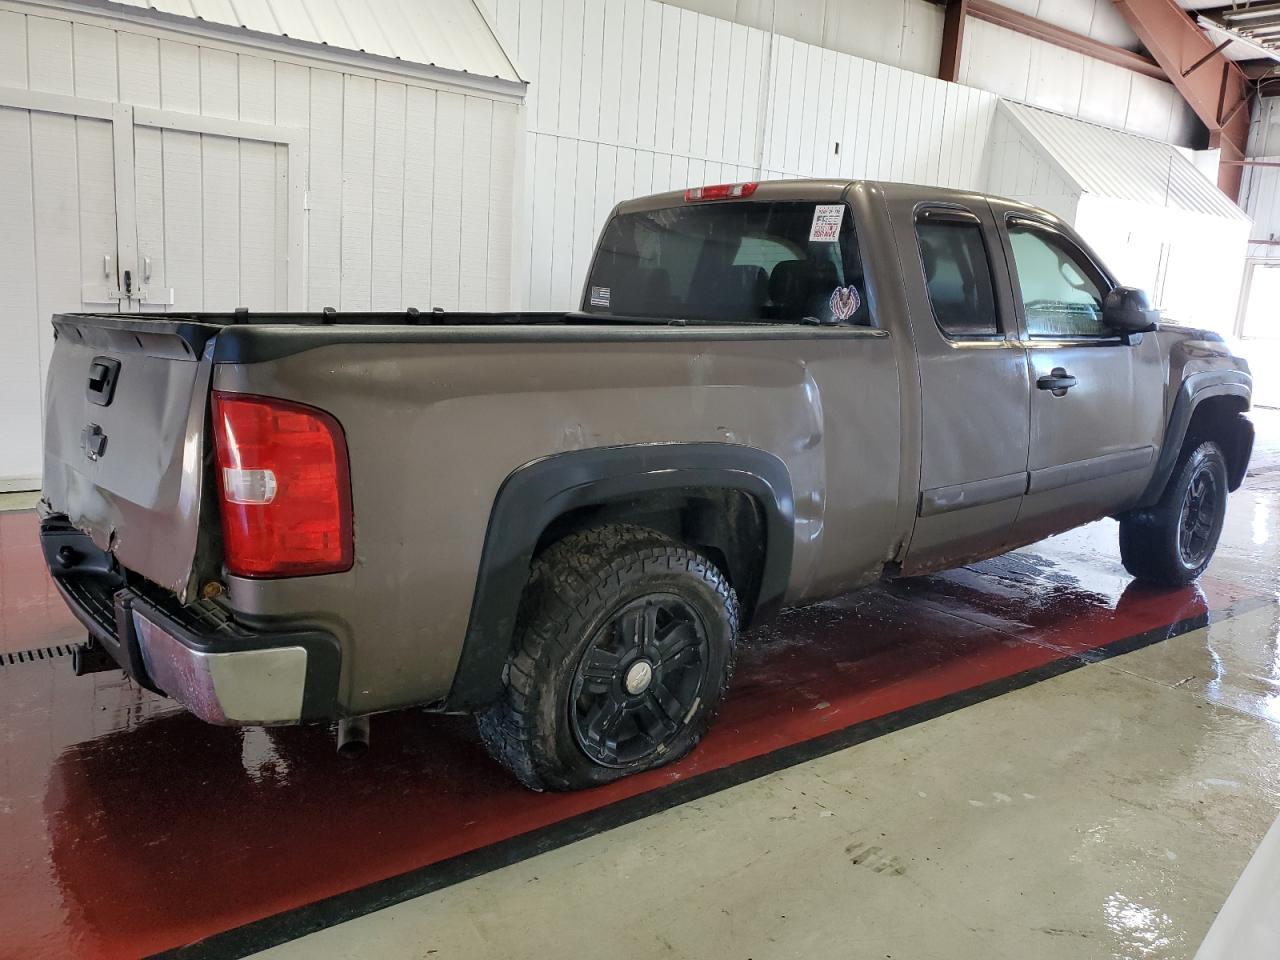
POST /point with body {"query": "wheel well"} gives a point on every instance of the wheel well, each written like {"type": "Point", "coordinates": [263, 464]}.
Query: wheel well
{"type": "Point", "coordinates": [725, 524]}
{"type": "Point", "coordinates": [1221, 420]}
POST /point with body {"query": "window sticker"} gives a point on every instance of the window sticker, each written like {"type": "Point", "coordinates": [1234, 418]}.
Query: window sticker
{"type": "Point", "coordinates": [600, 296]}
{"type": "Point", "coordinates": [844, 302]}
{"type": "Point", "coordinates": [827, 218]}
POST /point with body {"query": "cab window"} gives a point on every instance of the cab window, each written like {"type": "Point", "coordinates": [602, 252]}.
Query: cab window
{"type": "Point", "coordinates": [1062, 292]}
{"type": "Point", "coordinates": [732, 261]}
{"type": "Point", "coordinates": [957, 275]}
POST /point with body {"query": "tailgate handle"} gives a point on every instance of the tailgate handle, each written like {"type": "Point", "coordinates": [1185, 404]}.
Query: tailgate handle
{"type": "Point", "coordinates": [103, 373]}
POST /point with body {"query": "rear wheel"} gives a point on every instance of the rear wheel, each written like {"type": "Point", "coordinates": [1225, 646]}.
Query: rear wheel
{"type": "Point", "coordinates": [624, 648]}
{"type": "Point", "coordinates": [1173, 542]}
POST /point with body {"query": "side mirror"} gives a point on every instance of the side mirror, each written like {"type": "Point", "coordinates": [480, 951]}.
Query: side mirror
{"type": "Point", "coordinates": [1127, 310]}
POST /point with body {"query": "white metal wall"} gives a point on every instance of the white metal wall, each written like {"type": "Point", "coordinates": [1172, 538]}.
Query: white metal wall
{"type": "Point", "coordinates": [408, 190]}
{"type": "Point", "coordinates": [1020, 171]}
{"type": "Point", "coordinates": [637, 96]}
{"type": "Point", "coordinates": [629, 97]}
{"type": "Point", "coordinates": [1045, 75]}
{"type": "Point", "coordinates": [908, 34]}
{"type": "Point", "coordinates": [1260, 187]}
{"type": "Point", "coordinates": [904, 33]}
{"type": "Point", "coordinates": [1260, 197]}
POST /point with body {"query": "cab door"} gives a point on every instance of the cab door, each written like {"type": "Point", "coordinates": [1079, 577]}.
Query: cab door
{"type": "Point", "coordinates": [973, 387]}
{"type": "Point", "coordinates": [1097, 398]}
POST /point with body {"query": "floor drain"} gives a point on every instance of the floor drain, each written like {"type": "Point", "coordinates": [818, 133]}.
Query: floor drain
{"type": "Point", "coordinates": [36, 655]}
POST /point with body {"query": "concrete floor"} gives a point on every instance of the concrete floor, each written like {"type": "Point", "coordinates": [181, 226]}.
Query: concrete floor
{"type": "Point", "coordinates": [1102, 810]}
{"type": "Point", "coordinates": [1107, 812]}
{"type": "Point", "coordinates": [1104, 813]}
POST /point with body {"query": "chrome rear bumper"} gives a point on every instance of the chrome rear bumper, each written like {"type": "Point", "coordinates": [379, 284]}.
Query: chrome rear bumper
{"type": "Point", "coordinates": [234, 687]}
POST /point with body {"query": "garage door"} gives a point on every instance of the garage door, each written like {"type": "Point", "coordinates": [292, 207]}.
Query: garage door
{"type": "Point", "coordinates": [108, 207]}
{"type": "Point", "coordinates": [211, 221]}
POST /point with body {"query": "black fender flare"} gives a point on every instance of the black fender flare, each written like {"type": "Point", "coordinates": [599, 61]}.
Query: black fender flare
{"type": "Point", "coordinates": [538, 492]}
{"type": "Point", "coordinates": [1194, 390]}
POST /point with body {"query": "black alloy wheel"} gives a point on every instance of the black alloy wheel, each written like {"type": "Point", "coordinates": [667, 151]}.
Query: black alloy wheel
{"type": "Point", "coordinates": [1171, 542]}
{"type": "Point", "coordinates": [1200, 508]}
{"type": "Point", "coordinates": [623, 651]}
{"type": "Point", "coordinates": [640, 677]}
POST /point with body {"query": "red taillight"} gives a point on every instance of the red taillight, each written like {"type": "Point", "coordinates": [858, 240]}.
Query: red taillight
{"type": "Point", "coordinates": [721, 191]}
{"type": "Point", "coordinates": [285, 486]}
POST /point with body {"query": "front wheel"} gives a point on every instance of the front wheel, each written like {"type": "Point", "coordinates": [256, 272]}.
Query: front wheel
{"type": "Point", "coordinates": [624, 648]}
{"type": "Point", "coordinates": [1172, 543]}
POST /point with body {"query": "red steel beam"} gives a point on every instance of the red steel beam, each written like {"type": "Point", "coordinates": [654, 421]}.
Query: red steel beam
{"type": "Point", "coordinates": [1217, 90]}
{"type": "Point", "coordinates": [952, 39]}
{"type": "Point", "coordinates": [1022, 23]}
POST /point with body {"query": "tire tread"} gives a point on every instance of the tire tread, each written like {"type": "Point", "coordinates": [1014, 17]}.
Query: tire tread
{"type": "Point", "coordinates": [569, 582]}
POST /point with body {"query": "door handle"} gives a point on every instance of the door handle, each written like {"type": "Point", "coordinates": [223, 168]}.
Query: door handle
{"type": "Point", "coordinates": [1058, 382]}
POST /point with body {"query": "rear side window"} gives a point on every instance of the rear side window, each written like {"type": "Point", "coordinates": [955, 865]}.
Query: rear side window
{"type": "Point", "coordinates": [731, 261]}
{"type": "Point", "coordinates": [957, 275]}
{"type": "Point", "coordinates": [1061, 291]}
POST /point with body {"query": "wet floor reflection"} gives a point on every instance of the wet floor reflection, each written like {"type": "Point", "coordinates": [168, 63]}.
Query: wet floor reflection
{"type": "Point", "coordinates": [132, 827]}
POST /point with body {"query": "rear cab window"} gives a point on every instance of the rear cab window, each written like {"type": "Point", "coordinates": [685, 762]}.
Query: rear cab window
{"type": "Point", "coordinates": [957, 274]}
{"type": "Point", "coordinates": [732, 261]}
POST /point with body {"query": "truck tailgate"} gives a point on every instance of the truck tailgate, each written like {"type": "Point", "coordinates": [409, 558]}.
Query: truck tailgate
{"type": "Point", "coordinates": [124, 438]}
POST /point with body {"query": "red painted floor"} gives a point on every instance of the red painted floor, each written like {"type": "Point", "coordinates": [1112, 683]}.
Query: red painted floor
{"type": "Point", "coordinates": [31, 612]}
{"type": "Point", "coordinates": [130, 827]}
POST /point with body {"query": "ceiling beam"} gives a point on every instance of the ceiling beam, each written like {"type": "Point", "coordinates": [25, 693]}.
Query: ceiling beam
{"type": "Point", "coordinates": [1020, 22]}
{"type": "Point", "coordinates": [1217, 90]}
{"type": "Point", "coordinates": [952, 39]}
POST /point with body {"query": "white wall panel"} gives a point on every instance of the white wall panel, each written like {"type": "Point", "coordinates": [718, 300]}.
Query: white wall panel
{"type": "Point", "coordinates": [419, 196]}
{"type": "Point", "coordinates": [389, 217]}
{"type": "Point", "coordinates": [1043, 75]}
{"type": "Point", "coordinates": [388, 197]}
{"type": "Point", "coordinates": [1264, 135]}
{"type": "Point", "coordinates": [446, 204]}
{"type": "Point", "coordinates": [504, 150]}
{"type": "Point", "coordinates": [358, 106]}
{"type": "Point", "coordinates": [1104, 93]}
{"type": "Point", "coordinates": [1260, 196]}
{"type": "Point", "coordinates": [13, 50]}
{"type": "Point", "coordinates": [902, 33]}
{"type": "Point", "coordinates": [324, 221]}
{"type": "Point", "coordinates": [477, 148]}
{"type": "Point", "coordinates": [689, 111]}
{"type": "Point", "coordinates": [996, 59]}
{"type": "Point", "coordinates": [1055, 78]}
{"type": "Point", "coordinates": [19, 324]}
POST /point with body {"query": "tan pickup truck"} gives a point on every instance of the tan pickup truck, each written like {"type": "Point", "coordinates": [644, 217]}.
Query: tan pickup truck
{"type": "Point", "coordinates": [772, 394]}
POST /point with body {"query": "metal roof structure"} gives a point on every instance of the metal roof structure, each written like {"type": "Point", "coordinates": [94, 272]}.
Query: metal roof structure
{"type": "Point", "coordinates": [446, 34]}
{"type": "Point", "coordinates": [1123, 166]}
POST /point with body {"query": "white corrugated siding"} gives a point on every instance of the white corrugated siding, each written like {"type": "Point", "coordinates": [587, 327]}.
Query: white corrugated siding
{"type": "Point", "coordinates": [1122, 166]}
{"type": "Point", "coordinates": [451, 34]}
{"type": "Point", "coordinates": [630, 97]}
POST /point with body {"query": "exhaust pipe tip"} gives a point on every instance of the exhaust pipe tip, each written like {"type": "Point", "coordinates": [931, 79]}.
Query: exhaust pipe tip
{"type": "Point", "coordinates": [353, 737]}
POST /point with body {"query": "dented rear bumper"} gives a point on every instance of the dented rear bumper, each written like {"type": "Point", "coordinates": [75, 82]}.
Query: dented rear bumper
{"type": "Point", "coordinates": [221, 669]}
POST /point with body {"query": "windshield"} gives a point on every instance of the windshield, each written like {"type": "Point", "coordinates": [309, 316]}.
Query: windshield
{"type": "Point", "coordinates": [734, 261]}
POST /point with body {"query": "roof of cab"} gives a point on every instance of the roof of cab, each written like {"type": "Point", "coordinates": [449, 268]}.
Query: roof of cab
{"type": "Point", "coordinates": [816, 191]}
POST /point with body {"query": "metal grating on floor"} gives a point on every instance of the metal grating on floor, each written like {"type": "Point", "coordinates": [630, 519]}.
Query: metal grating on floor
{"type": "Point", "coordinates": [36, 655]}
